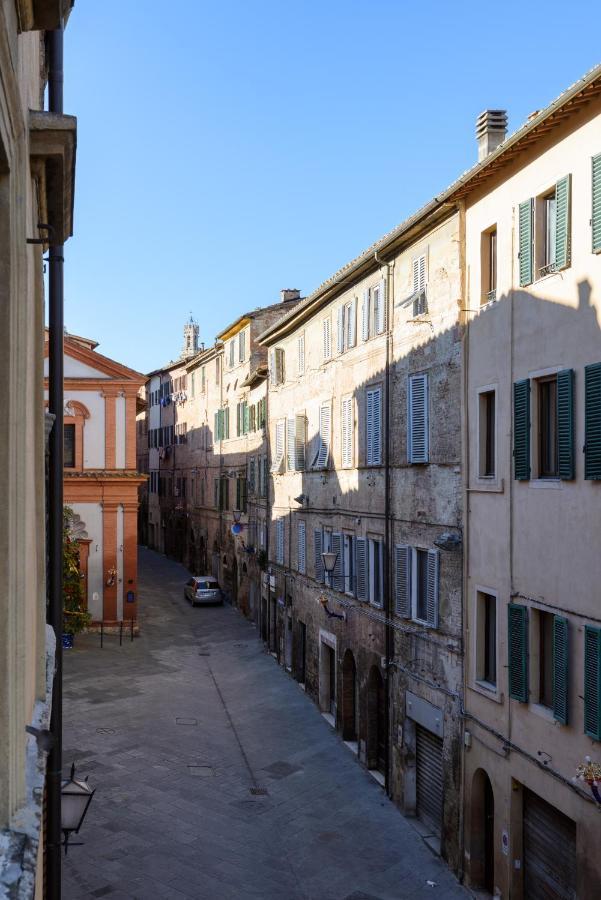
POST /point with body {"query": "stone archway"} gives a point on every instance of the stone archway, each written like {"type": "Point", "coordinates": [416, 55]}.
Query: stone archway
{"type": "Point", "coordinates": [376, 721]}
{"type": "Point", "coordinates": [349, 697]}
{"type": "Point", "coordinates": [482, 842]}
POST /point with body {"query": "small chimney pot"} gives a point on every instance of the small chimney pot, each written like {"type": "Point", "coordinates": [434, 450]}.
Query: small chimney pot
{"type": "Point", "coordinates": [491, 131]}
{"type": "Point", "coordinates": [287, 294]}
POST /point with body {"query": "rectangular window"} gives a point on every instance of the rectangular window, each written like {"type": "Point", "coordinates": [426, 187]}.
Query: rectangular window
{"type": "Point", "coordinates": [241, 346]}
{"type": "Point", "coordinates": [416, 583]}
{"type": "Point", "coordinates": [276, 366]}
{"type": "Point", "coordinates": [592, 682]}
{"type": "Point", "coordinates": [547, 427]}
{"type": "Point", "coordinates": [347, 432]}
{"type": "Point", "coordinates": [517, 644]}
{"type": "Point", "coordinates": [252, 466]}
{"type": "Point", "coordinates": [487, 433]}
{"type": "Point", "coordinates": [69, 446]}
{"type": "Point", "coordinates": [321, 459]}
{"type": "Point", "coordinates": [302, 547]}
{"type": "Point", "coordinates": [365, 315]}
{"type": "Point", "coordinates": [203, 379]}
{"type": "Point", "coordinates": [421, 585]}
{"type": "Point", "coordinates": [232, 352]}
{"type": "Point", "coordinates": [301, 354]}
{"type": "Point", "coordinates": [596, 204]}
{"type": "Point", "coordinates": [488, 265]}
{"type": "Point", "coordinates": [376, 571]}
{"type": "Point", "coordinates": [545, 658]}
{"type": "Point", "coordinates": [549, 208]}
{"type": "Point", "coordinates": [379, 307]}
{"type": "Point", "coordinates": [592, 422]}
{"type": "Point", "coordinates": [417, 419]}
{"type": "Point", "coordinates": [317, 557]}
{"type": "Point", "coordinates": [420, 299]}
{"type": "Point", "coordinates": [193, 384]}
{"type": "Point", "coordinates": [486, 649]}
{"type": "Point", "coordinates": [348, 563]}
{"type": "Point", "coordinates": [217, 370]}
{"type": "Point", "coordinates": [374, 427]}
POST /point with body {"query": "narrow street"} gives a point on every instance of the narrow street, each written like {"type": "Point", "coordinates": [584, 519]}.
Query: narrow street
{"type": "Point", "coordinates": [216, 777]}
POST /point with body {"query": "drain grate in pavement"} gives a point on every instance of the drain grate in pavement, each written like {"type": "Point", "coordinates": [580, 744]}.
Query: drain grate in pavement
{"type": "Point", "coordinates": [201, 771]}
{"type": "Point", "coordinates": [181, 721]}
{"type": "Point", "coordinates": [259, 792]}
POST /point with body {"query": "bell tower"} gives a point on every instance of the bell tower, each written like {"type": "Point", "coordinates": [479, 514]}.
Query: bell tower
{"type": "Point", "coordinates": [190, 347]}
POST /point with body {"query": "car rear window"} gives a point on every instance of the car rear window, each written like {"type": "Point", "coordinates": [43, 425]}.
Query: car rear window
{"type": "Point", "coordinates": [206, 586]}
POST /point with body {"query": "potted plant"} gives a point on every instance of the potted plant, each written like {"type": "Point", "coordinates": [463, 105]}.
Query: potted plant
{"type": "Point", "coordinates": [75, 615]}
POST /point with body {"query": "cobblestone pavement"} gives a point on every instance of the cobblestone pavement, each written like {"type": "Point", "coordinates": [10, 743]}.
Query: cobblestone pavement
{"type": "Point", "coordinates": [216, 777]}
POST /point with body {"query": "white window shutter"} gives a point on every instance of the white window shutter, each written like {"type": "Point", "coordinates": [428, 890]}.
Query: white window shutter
{"type": "Point", "coordinates": [317, 548]}
{"type": "Point", "coordinates": [278, 458]}
{"type": "Point", "coordinates": [302, 547]}
{"type": "Point", "coordinates": [301, 355]}
{"type": "Point", "coordinates": [272, 371]}
{"type": "Point", "coordinates": [323, 453]}
{"type": "Point", "coordinates": [402, 580]}
{"type": "Point", "coordinates": [291, 445]}
{"type": "Point", "coordinates": [299, 442]}
{"type": "Point", "coordinates": [340, 345]}
{"type": "Point", "coordinates": [347, 432]}
{"type": "Point", "coordinates": [417, 419]}
{"type": "Point", "coordinates": [433, 582]}
{"type": "Point", "coordinates": [351, 325]}
{"type": "Point", "coordinates": [365, 316]}
{"type": "Point", "coordinates": [338, 573]}
{"type": "Point", "coordinates": [381, 317]}
{"type": "Point", "coordinates": [361, 567]}
{"type": "Point", "coordinates": [327, 339]}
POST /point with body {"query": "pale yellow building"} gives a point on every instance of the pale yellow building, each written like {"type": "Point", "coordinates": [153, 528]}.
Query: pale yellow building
{"type": "Point", "coordinates": [532, 456]}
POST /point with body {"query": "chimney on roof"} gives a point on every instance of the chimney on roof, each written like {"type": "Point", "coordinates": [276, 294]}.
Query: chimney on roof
{"type": "Point", "coordinates": [491, 130]}
{"type": "Point", "coordinates": [289, 294]}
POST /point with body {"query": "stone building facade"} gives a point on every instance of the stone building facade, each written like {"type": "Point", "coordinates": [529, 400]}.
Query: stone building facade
{"type": "Point", "coordinates": [365, 462]}
{"type": "Point", "coordinates": [37, 170]}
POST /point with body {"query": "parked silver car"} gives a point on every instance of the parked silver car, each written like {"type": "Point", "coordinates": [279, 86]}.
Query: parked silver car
{"type": "Point", "coordinates": [203, 589]}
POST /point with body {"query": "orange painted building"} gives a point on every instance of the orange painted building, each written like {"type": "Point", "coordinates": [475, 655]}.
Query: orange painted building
{"type": "Point", "coordinates": [101, 481]}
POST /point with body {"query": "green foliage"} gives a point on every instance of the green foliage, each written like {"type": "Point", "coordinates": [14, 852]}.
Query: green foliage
{"type": "Point", "coordinates": [76, 616]}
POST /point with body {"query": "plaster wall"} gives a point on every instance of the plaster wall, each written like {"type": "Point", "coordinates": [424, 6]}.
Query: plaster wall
{"type": "Point", "coordinates": [120, 433]}
{"type": "Point", "coordinates": [530, 540]}
{"type": "Point", "coordinates": [91, 515]}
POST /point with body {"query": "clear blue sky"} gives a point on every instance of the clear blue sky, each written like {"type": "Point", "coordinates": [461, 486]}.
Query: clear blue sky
{"type": "Point", "coordinates": [230, 149]}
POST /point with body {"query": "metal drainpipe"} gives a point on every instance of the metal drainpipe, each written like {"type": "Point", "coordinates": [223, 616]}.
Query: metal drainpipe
{"type": "Point", "coordinates": [55, 506]}
{"type": "Point", "coordinates": [387, 553]}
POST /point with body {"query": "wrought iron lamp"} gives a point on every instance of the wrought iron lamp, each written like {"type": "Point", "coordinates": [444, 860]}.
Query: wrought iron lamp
{"type": "Point", "coordinates": [329, 563]}
{"type": "Point", "coordinates": [76, 797]}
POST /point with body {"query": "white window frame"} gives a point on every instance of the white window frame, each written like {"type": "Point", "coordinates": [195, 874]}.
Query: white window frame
{"type": "Point", "coordinates": [327, 338]}
{"type": "Point", "coordinates": [279, 454]}
{"type": "Point", "coordinates": [324, 448]}
{"type": "Point", "coordinates": [419, 284]}
{"type": "Point", "coordinates": [232, 353]}
{"type": "Point", "coordinates": [346, 431]}
{"type": "Point", "coordinates": [242, 346]}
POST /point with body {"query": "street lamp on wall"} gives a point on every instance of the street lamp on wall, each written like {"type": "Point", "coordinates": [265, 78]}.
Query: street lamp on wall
{"type": "Point", "coordinates": [329, 563]}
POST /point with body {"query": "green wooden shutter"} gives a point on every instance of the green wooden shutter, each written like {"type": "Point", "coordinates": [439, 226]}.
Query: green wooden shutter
{"type": "Point", "coordinates": [596, 204]}
{"type": "Point", "coordinates": [562, 223]}
{"type": "Point", "coordinates": [565, 423]}
{"type": "Point", "coordinates": [560, 669]}
{"type": "Point", "coordinates": [592, 682]}
{"type": "Point", "coordinates": [245, 418]}
{"type": "Point", "coordinates": [226, 417]}
{"type": "Point", "coordinates": [521, 429]}
{"type": "Point", "coordinates": [517, 643]}
{"type": "Point", "coordinates": [526, 256]}
{"type": "Point", "coordinates": [216, 427]}
{"type": "Point", "coordinates": [592, 422]}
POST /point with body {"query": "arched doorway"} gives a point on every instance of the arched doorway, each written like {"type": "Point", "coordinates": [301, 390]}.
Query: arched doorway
{"type": "Point", "coordinates": [482, 850]}
{"type": "Point", "coordinates": [376, 721]}
{"type": "Point", "coordinates": [349, 697]}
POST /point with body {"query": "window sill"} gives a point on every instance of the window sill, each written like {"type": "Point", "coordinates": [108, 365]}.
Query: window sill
{"type": "Point", "coordinates": [485, 485]}
{"type": "Point", "coordinates": [486, 689]}
{"type": "Point", "coordinates": [544, 712]}
{"type": "Point", "coordinates": [553, 484]}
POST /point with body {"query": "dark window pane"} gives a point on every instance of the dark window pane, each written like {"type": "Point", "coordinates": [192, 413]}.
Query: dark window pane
{"type": "Point", "coordinates": [546, 659]}
{"type": "Point", "coordinates": [489, 457]}
{"type": "Point", "coordinates": [490, 639]}
{"type": "Point", "coordinates": [422, 585]}
{"type": "Point", "coordinates": [547, 426]}
{"type": "Point", "coordinates": [69, 446]}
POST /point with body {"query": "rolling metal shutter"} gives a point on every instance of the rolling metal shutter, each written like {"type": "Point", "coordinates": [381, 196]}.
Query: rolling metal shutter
{"type": "Point", "coordinates": [549, 851]}
{"type": "Point", "coordinates": [429, 778]}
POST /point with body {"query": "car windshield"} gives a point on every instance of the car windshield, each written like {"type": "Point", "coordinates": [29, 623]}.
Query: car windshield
{"type": "Point", "coordinates": [206, 585]}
